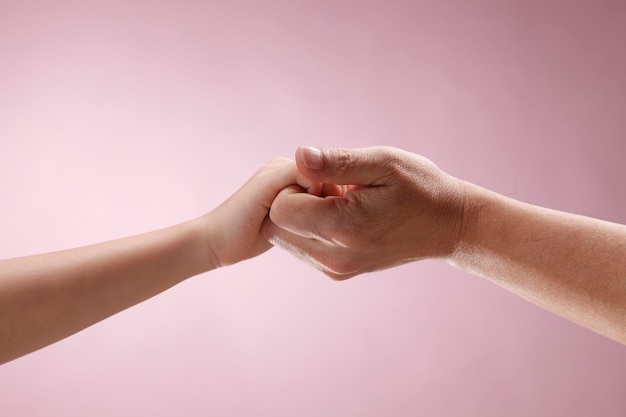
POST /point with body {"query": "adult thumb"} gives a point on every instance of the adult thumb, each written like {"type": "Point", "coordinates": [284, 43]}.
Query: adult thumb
{"type": "Point", "coordinates": [359, 166]}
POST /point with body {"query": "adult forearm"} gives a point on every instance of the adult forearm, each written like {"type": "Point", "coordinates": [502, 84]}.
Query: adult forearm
{"type": "Point", "coordinates": [572, 265]}
{"type": "Point", "coordinates": [45, 298]}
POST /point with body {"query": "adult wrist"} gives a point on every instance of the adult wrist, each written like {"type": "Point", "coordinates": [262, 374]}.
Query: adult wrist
{"type": "Point", "coordinates": [472, 206]}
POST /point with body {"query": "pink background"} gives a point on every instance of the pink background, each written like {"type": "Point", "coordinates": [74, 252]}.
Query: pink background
{"type": "Point", "coordinates": [122, 117]}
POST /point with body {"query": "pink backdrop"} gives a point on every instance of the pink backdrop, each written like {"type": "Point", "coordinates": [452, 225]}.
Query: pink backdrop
{"type": "Point", "coordinates": [122, 117]}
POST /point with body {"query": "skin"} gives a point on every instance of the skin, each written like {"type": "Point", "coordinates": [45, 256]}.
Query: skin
{"type": "Point", "coordinates": [346, 212]}
{"type": "Point", "coordinates": [381, 207]}
{"type": "Point", "coordinates": [45, 298]}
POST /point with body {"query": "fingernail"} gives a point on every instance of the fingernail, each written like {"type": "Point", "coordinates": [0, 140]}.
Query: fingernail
{"type": "Point", "coordinates": [312, 157]}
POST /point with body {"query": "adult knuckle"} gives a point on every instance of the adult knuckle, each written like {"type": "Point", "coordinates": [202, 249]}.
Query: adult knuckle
{"type": "Point", "coordinates": [392, 160]}
{"type": "Point", "coordinates": [343, 161]}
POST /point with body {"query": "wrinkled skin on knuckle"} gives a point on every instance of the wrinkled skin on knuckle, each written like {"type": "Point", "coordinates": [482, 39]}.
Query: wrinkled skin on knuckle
{"type": "Point", "coordinates": [394, 165]}
{"type": "Point", "coordinates": [343, 161]}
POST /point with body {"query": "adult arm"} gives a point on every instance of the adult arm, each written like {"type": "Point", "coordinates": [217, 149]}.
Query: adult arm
{"type": "Point", "coordinates": [47, 297]}
{"type": "Point", "coordinates": [382, 207]}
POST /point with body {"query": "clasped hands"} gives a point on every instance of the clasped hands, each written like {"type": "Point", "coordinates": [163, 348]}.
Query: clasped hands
{"type": "Point", "coordinates": [344, 211]}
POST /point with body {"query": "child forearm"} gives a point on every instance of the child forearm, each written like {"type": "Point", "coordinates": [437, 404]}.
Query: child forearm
{"type": "Point", "coordinates": [45, 298]}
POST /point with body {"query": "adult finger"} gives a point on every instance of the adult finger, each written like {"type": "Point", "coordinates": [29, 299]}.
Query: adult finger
{"type": "Point", "coordinates": [361, 166]}
{"type": "Point", "coordinates": [307, 215]}
{"type": "Point", "coordinates": [316, 253]}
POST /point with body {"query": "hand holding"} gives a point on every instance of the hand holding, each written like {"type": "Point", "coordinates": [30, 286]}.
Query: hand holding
{"type": "Point", "coordinates": [379, 207]}
{"type": "Point", "coordinates": [234, 228]}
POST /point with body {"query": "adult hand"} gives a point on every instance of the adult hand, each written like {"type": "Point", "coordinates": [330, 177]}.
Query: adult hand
{"type": "Point", "coordinates": [379, 207]}
{"type": "Point", "coordinates": [233, 228]}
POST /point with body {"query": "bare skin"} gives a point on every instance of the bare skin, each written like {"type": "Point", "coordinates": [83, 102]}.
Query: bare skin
{"type": "Point", "coordinates": [352, 211]}
{"type": "Point", "coordinates": [45, 298]}
{"type": "Point", "coordinates": [382, 207]}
